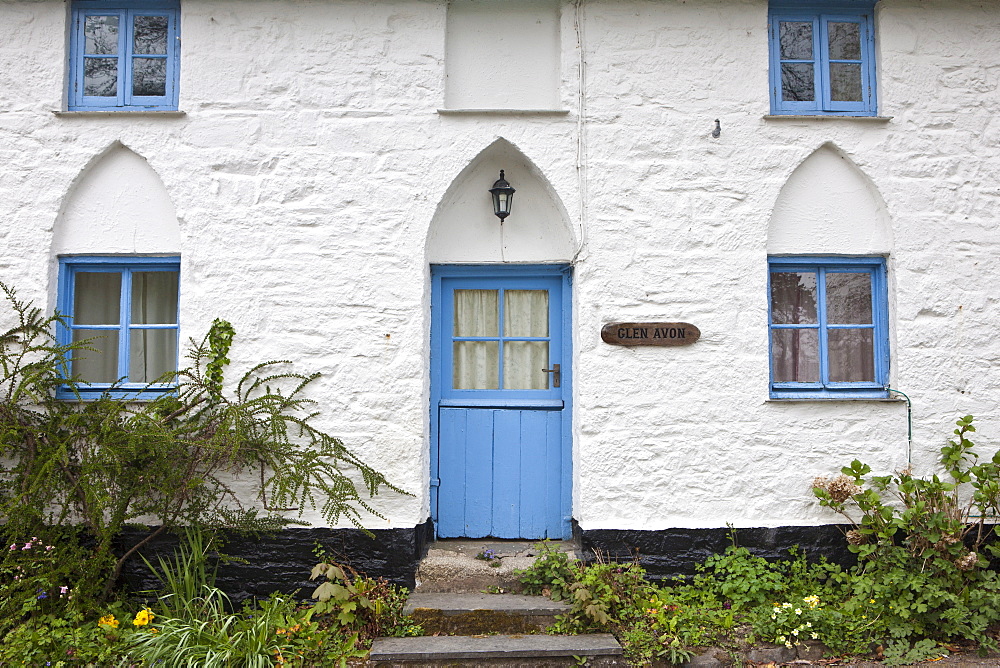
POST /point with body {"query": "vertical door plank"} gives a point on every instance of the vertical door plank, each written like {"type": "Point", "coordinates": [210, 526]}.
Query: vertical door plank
{"type": "Point", "coordinates": [451, 467]}
{"type": "Point", "coordinates": [533, 451]}
{"type": "Point", "coordinates": [506, 473]}
{"type": "Point", "coordinates": [478, 472]}
{"type": "Point", "coordinates": [556, 524]}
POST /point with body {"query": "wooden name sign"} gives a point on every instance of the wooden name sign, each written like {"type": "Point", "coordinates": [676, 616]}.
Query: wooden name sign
{"type": "Point", "coordinates": [650, 333]}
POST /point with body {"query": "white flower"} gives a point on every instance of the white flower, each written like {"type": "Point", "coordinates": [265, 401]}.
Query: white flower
{"type": "Point", "coordinates": [809, 625]}
{"type": "Point", "coordinates": [798, 611]}
{"type": "Point", "coordinates": [814, 635]}
{"type": "Point", "coordinates": [788, 645]}
{"type": "Point", "coordinates": [795, 632]}
{"type": "Point", "coordinates": [781, 638]}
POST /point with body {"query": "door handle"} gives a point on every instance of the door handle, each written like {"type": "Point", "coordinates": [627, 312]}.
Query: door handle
{"type": "Point", "coordinates": [556, 375]}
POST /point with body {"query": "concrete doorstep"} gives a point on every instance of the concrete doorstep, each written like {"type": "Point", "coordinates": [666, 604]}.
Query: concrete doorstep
{"type": "Point", "coordinates": [600, 649]}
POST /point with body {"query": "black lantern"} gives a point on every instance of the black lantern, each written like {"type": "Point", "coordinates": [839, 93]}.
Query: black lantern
{"type": "Point", "coordinates": [503, 196]}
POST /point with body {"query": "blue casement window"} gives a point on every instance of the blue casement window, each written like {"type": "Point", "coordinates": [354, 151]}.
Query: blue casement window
{"type": "Point", "coordinates": [124, 55]}
{"type": "Point", "coordinates": [828, 327]}
{"type": "Point", "coordinates": [126, 310]}
{"type": "Point", "coordinates": [822, 57]}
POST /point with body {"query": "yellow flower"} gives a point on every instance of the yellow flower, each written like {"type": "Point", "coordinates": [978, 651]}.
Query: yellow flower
{"type": "Point", "coordinates": [108, 620]}
{"type": "Point", "coordinates": [143, 617]}
{"type": "Point", "coordinates": [871, 600]}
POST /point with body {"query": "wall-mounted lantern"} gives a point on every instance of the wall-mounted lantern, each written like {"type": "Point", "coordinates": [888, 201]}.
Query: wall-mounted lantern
{"type": "Point", "coordinates": [503, 197]}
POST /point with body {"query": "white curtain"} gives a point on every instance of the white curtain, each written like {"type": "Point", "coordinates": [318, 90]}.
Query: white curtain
{"type": "Point", "coordinates": [526, 313]}
{"type": "Point", "coordinates": [96, 298]}
{"type": "Point", "coordinates": [153, 352]}
{"type": "Point", "coordinates": [476, 364]}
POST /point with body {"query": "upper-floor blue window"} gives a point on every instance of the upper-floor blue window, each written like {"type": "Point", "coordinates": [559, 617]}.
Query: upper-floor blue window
{"type": "Point", "coordinates": [125, 308]}
{"type": "Point", "coordinates": [822, 57]}
{"type": "Point", "coordinates": [829, 331]}
{"type": "Point", "coordinates": [124, 55]}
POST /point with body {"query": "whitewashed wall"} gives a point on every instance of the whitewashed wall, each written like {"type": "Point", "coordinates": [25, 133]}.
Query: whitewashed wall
{"type": "Point", "coordinates": [313, 179]}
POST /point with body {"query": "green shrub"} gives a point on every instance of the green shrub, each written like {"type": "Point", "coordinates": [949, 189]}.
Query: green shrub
{"type": "Point", "coordinates": [104, 464]}
{"type": "Point", "coordinates": [921, 545]}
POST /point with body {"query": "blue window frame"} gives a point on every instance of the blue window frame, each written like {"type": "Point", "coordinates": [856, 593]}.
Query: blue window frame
{"type": "Point", "coordinates": [126, 310]}
{"type": "Point", "coordinates": [822, 57]}
{"type": "Point", "coordinates": [828, 322]}
{"type": "Point", "coordinates": [124, 55]}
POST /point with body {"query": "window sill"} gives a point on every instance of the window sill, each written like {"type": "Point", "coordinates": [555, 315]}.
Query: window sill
{"type": "Point", "coordinates": [168, 113]}
{"type": "Point", "coordinates": [503, 112]}
{"type": "Point", "coordinates": [823, 400]}
{"type": "Point", "coordinates": [826, 117]}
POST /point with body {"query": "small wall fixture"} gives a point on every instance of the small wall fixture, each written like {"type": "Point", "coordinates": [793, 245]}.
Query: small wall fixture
{"type": "Point", "coordinates": [503, 197]}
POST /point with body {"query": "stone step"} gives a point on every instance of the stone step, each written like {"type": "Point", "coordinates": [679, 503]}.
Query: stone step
{"type": "Point", "coordinates": [475, 613]}
{"type": "Point", "coordinates": [510, 651]}
{"type": "Point", "coordinates": [452, 565]}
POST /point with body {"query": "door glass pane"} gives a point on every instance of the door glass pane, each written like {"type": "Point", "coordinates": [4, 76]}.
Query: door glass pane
{"type": "Point", "coordinates": [100, 35]}
{"type": "Point", "coordinates": [100, 77]}
{"type": "Point", "coordinates": [845, 82]}
{"type": "Point", "coordinates": [526, 313]}
{"type": "Point", "coordinates": [98, 364]}
{"type": "Point", "coordinates": [796, 40]}
{"type": "Point", "coordinates": [150, 35]}
{"type": "Point", "coordinates": [793, 298]}
{"type": "Point", "coordinates": [797, 82]}
{"type": "Point", "coordinates": [149, 76]}
{"type": "Point", "coordinates": [477, 313]}
{"type": "Point", "coordinates": [154, 298]}
{"type": "Point", "coordinates": [476, 365]}
{"type": "Point", "coordinates": [845, 40]}
{"type": "Point", "coordinates": [523, 362]}
{"type": "Point", "coordinates": [152, 353]}
{"type": "Point", "coordinates": [851, 355]}
{"type": "Point", "coordinates": [96, 298]}
{"type": "Point", "coordinates": [848, 299]}
{"type": "Point", "coordinates": [795, 355]}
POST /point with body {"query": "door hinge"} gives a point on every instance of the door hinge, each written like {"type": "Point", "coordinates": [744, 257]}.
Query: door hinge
{"type": "Point", "coordinates": [435, 482]}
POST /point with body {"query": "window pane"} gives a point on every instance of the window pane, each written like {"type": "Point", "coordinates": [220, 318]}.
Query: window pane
{"type": "Point", "coordinates": [100, 77]}
{"type": "Point", "coordinates": [795, 355]}
{"type": "Point", "coordinates": [793, 298]}
{"type": "Point", "coordinates": [523, 362]}
{"type": "Point", "coordinates": [526, 313]}
{"type": "Point", "coordinates": [100, 35]}
{"type": "Point", "coordinates": [99, 364]}
{"type": "Point", "coordinates": [476, 365]}
{"type": "Point", "coordinates": [96, 298]}
{"type": "Point", "coordinates": [149, 76]}
{"type": "Point", "coordinates": [851, 355]}
{"type": "Point", "coordinates": [477, 313]}
{"type": "Point", "coordinates": [845, 41]}
{"type": "Point", "coordinates": [796, 40]}
{"type": "Point", "coordinates": [798, 82]}
{"type": "Point", "coordinates": [845, 82]}
{"type": "Point", "coordinates": [848, 299]}
{"type": "Point", "coordinates": [154, 298]}
{"type": "Point", "coordinates": [150, 35]}
{"type": "Point", "coordinates": [152, 353]}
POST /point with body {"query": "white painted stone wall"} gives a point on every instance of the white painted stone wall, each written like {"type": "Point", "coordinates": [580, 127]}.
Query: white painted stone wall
{"type": "Point", "coordinates": [311, 161]}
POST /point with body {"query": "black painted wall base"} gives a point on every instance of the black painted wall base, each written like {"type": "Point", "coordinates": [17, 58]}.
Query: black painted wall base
{"type": "Point", "coordinates": [672, 552]}
{"type": "Point", "coordinates": [283, 561]}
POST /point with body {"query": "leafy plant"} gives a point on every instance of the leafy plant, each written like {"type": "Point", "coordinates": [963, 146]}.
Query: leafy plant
{"type": "Point", "coordinates": [921, 542]}
{"type": "Point", "coordinates": [169, 462]}
{"type": "Point", "coordinates": [551, 574]}
{"type": "Point", "coordinates": [367, 607]}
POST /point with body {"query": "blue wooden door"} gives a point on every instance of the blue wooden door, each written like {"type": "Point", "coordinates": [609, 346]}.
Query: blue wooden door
{"type": "Point", "coordinates": [500, 394]}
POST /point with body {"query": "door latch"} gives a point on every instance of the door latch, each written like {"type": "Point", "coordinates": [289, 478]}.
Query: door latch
{"type": "Point", "coordinates": [556, 375]}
